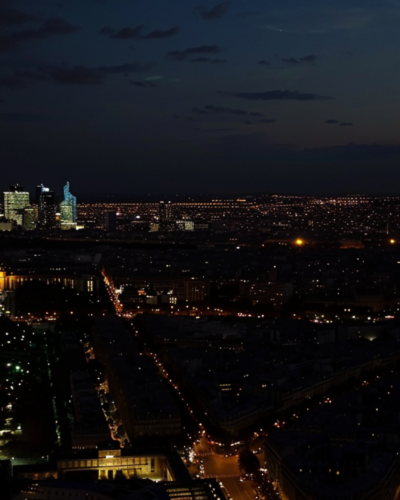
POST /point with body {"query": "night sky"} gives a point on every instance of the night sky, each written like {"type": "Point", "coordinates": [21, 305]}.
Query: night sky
{"type": "Point", "coordinates": [191, 97]}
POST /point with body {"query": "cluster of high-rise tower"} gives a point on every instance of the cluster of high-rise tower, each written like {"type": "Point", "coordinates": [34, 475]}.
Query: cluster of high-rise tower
{"type": "Point", "coordinates": [47, 212]}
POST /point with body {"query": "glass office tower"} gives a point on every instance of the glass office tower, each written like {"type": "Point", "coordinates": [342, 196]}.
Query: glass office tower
{"type": "Point", "coordinates": [68, 209]}
{"type": "Point", "coordinates": [46, 200]}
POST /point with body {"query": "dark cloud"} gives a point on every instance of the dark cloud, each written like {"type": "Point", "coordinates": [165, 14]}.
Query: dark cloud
{"type": "Point", "coordinates": [200, 60]}
{"type": "Point", "coordinates": [207, 59]}
{"type": "Point", "coordinates": [19, 79]}
{"type": "Point", "coordinates": [290, 60]}
{"type": "Point", "coordinates": [249, 14]}
{"type": "Point", "coordinates": [221, 109]}
{"type": "Point", "coordinates": [263, 62]}
{"type": "Point", "coordinates": [163, 33]}
{"type": "Point", "coordinates": [310, 58]}
{"type": "Point", "coordinates": [281, 95]}
{"type": "Point", "coordinates": [180, 55]}
{"type": "Point", "coordinates": [29, 75]}
{"type": "Point", "coordinates": [304, 59]}
{"type": "Point", "coordinates": [54, 26]}
{"type": "Point", "coordinates": [331, 120]}
{"type": "Point", "coordinates": [106, 30]}
{"type": "Point", "coordinates": [128, 33]}
{"type": "Point", "coordinates": [51, 27]}
{"type": "Point", "coordinates": [77, 75]}
{"type": "Point", "coordinates": [125, 68]}
{"type": "Point", "coordinates": [215, 13]}
{"type": "Point", "coordinates": [187, 118]}
{"type": "Point", "coordinates": [13, 17]}
{"type": "Point", "coordinates": [268, 120]}
{"type": "Point", "coordinates": [213, 130]}
{"type": "Point", "coordinates": [142, 84]}
{"type": "Point", "coordinates": [212, 109]}
{"type": "Point", "coordinates": [199, 111]}
{"type": "Point", "coordinates": [11, 82]}
{"type": "Point", "coordinates": [6, 43]}
{"type": "Point", "coordinates": [345, 124]}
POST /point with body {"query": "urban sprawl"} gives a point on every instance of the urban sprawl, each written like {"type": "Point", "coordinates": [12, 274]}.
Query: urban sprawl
{"type": "Point", "coordinates": [207, 348]}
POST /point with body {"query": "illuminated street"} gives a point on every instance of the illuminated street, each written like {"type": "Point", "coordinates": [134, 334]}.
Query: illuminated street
{"type": "Point", "coordinates": [224, 469]}
{"type": "Point", "coordinates": [219, 466]}
{"type": "Point", "coordinates": [239, 490]}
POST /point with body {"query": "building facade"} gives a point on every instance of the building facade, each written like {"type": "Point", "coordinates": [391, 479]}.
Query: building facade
{"type": "Point", "coordinates": [15, 201]}
{"type": "Point", "coordinates": [68, 209]}
{"type": "Point", "coordinates": [47, 207]}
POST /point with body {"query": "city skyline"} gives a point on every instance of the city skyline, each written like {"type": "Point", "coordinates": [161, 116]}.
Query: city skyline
{"type": "Point", "coordinates": [174, 197]}
{"type": "Point", "coordinates": [202, 97]}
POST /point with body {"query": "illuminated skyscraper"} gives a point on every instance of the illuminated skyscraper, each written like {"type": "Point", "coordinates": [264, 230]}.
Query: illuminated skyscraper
{"type": "Point", "coordinates": [166, 216]}
{"type": "Point", "coordinates": [15, 201]}
{"type": "Point", "coordinates": [47, 206]}
{"type": "Point", "coordinates": [68, 209]}
{"type": "Point", "coordinates": [29, 218]}
{"type": "Point", "coordinates": [68, 196]}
